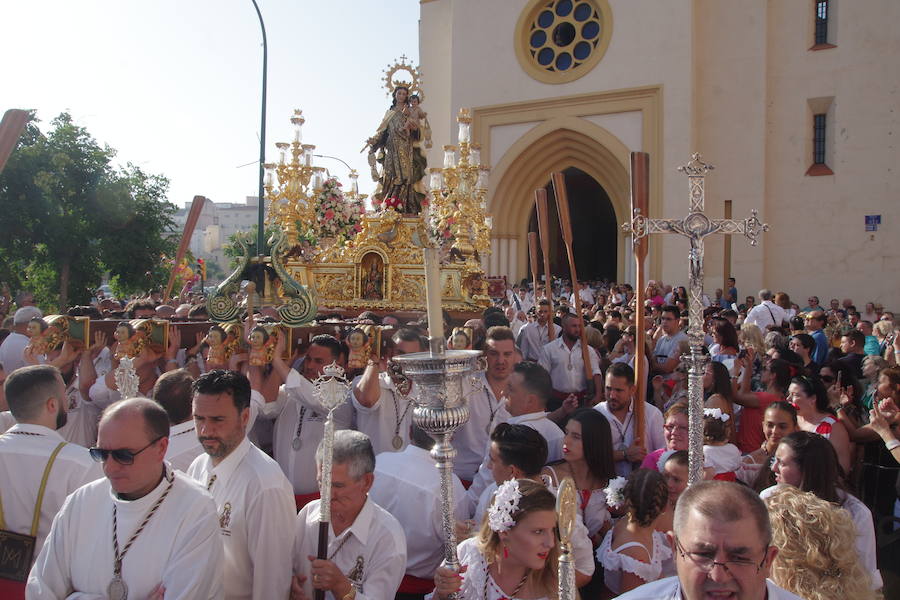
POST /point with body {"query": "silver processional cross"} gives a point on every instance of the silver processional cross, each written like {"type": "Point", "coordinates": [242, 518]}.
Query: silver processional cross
{"type": "Point", "coordinates": [695, 226]}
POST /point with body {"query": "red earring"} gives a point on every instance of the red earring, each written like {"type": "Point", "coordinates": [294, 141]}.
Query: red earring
{"type": "Point", "coordinates": [505, 552]}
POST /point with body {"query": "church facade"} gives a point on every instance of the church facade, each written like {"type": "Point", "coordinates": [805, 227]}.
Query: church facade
{"type": "Point", "coordinates": [796, 104]}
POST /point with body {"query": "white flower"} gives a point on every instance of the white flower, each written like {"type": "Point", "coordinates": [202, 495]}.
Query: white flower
{"type": "Point", "coordinates": [615, 492]}
{"type": "Point", "coordinates": [716, 413]}
{"type": "Point", "coordinates": [506, 503]}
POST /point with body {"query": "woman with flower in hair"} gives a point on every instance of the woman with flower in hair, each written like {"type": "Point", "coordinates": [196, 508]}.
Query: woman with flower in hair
{"type": "Point", "coordinates": [722, 457]}
{"type": "Point", "coordinates": [817, 557]}
{"type": "Point", "coordinates": [633, 552]}
{"type": "Point", "coordinates": [514, 556]}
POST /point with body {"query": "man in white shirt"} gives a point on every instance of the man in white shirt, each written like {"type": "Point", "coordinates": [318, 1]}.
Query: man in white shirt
{"type": "Point", "coordinates": [532, 337]}
{"type": "Point", "coordinates": [766, 314]}
{"type": "Point", "coordinates": [11, 357]}
{"type": "Point", "coordinates": [384, 412]}
{"type": "Point", "coordinates": [486, 405]}
{"type": "Point", "coordinates": [254, 500]}
{"type": "Point", "coordinates": [173, 392]}
{"type": "Point", "coordinates": [722, 541]}
{"type": "Point", "coordinates": [300, 417]}
{"type": "Point", "coordinates": [32, 448]}
{"type": "Point", "coordinates": [564, 361]}
{"type": "Point", "coordinates": [408, 485]}
{"type": "Point", "coordinates": [618, 408]}
{"type": "Point", "coordinates": [528, 392]}
{"type": "Point", "coordinates": [366, 547]}
{"type": "Point", "coordinates": [143, 531]}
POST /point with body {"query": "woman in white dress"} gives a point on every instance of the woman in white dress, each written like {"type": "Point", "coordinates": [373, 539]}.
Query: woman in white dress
{"type": "Point", "coordinates": [514, 556]}
{"type": "Point", "coordinates": [633, 552]}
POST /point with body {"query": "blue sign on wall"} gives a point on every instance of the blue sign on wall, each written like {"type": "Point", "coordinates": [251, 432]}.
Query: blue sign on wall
{"type": "Point", "coordinates": [872, 222]}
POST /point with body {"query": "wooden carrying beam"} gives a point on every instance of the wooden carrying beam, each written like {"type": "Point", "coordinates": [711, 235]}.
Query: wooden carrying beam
{"type": "Point", "coordinates": [543, 219]}
{"type": "Point", "coordinates": [640, 201]}
{"type": "Point", "coordinates": [12, 126]}
{"type": "Point", "coordinates": [533, 259]}
{"type": "Point", "coordinates": [565, 224]}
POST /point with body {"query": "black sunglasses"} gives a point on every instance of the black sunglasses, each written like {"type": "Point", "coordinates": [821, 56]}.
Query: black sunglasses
{"type": "Point", "coordinates": [121, 455]}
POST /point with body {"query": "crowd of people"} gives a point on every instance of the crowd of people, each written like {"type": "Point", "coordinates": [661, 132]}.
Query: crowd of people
{"type": "Point", "coordinates": [207, 486]}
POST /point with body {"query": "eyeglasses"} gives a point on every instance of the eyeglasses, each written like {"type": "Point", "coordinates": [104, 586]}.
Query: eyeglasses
{"type": "Point", "coordinates": [674, 428]}
{"type": "Point", "coordinates": [121, 455]}
{"type": "Point", "coordinates": [706, 563]}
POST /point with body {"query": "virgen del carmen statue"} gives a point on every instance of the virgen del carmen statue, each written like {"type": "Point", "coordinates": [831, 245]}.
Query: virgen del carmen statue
{"type": "Point", "coordinates": [328, 254]}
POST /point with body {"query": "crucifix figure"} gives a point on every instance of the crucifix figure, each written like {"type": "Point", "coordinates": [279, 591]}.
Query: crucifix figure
{"type": "Point", "coordinates": [695, 226]}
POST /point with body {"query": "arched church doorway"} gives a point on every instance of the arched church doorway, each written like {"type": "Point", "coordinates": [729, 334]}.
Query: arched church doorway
{"type": "Point", "coordinates": [594, 229]}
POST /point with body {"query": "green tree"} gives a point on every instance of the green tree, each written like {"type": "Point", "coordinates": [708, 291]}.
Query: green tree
{"type": "Point", "coordinates": [69, 215]}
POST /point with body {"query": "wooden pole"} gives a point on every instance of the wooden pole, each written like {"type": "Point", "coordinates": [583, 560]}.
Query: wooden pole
{"type": "Point", "coordinates": [565, 224]}
{"type": "Point", "coordinates": [189, 225]}
{"type": "Point", "coordinates": [533, 257]}
{"type": "Point", "coordinates": [540, 203]}
{"type": "Point", "coordinates": [640, 201]}
{"type": "Point", "coordinates": [11, 128]}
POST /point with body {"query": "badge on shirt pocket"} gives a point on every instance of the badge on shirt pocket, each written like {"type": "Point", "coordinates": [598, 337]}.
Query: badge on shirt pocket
{"type": "Point", "coordinates": [16, 553]}
{"type": "Point", "coordinates": [225, 519]}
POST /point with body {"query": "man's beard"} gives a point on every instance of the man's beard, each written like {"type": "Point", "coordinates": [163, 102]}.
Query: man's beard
{"type": "Point", "coordinates": [62, 417]}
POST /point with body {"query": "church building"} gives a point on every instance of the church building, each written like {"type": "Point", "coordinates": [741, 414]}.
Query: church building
{"type": "Point", "coordinates": [795, 102]}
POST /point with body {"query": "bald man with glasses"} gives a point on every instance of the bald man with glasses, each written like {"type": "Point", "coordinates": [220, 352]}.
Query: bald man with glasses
{"type": "Point", "coordinates": [143, 531]}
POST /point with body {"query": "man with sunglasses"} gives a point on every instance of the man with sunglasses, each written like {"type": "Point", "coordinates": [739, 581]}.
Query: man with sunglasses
{"type": "Point", "coordinates": [722, 542]}
{"type": "Point", "coordinates": [37, 400]}
{"type": "Point", "coordinates": [254, 499]}
{"type": "Point", "coordinates": [144, 531]}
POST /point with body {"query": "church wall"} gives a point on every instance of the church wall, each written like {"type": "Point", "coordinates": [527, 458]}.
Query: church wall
{"type": "Point", "coordinates": [482, 70]}
{"type": "Point", "coordinates": [739, 84]}
{"type": "Point", "coordinates": [819, 244]}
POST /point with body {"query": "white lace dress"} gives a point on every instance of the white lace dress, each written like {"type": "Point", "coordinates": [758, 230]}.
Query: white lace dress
{"type": "Point", "coordinates": [475, 577]}
{"type": "Point", "coordinates": [615, 563]}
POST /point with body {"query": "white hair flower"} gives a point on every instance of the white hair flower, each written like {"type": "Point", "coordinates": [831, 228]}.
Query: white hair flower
{"type": "Point", "coordinates": [716, 413]}
{"type": "Point", "coordinates": [615, 492]}
{"type": "Point", "coordinates": [506, 503]}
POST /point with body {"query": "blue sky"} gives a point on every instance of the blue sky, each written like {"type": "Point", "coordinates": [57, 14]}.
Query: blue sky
{"type": "Point", "coordinates": [174, 85]}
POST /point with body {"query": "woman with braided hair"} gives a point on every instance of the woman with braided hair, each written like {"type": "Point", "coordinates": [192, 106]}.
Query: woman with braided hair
{"type": "Point", "coordinates": [633, 552]}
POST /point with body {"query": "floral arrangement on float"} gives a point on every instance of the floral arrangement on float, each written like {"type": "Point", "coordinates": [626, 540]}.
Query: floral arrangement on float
{"type": "Point", "coordinates": [337, 217]}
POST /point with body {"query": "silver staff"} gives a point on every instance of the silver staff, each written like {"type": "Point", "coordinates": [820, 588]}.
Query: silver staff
{"type": "Point", "coordinates": [331, 390]}
{"type": "Point", "coordinates": [127, 379]}
{"type": "Point", "coordinates": [441, 409]}
{"type": "Point", "coordinates": [695, 226]}
{"type": "Point", "coordinates": [566, 513]}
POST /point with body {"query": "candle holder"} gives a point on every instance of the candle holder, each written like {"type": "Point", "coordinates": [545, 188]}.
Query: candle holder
{"type": "Point", "coordinates": [441, 409]}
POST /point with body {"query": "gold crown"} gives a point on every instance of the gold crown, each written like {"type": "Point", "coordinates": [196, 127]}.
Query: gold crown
{"type": "Point", "coordinates": [413, 82]}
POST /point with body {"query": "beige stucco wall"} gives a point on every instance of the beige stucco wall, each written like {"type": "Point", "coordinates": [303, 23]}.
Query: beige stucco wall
{"type": "Point", "coordinates": [734, 79]}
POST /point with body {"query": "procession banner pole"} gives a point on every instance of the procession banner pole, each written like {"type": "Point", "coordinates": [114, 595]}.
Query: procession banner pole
{"type": "Point", "coordinates": [331, 390]}
{"type": "Point", "coordinates": [565, 223]}
{"type": "Point", "coordinates": [640, 200]}
{"type": "Point", "coordinates": [533, 257]}
{"type": "Point", "coordinates": [696, 226]}
{"type": "Point", "coordinates": [543, 219]}
{"type": "Point", "coordinates": [189, 225]}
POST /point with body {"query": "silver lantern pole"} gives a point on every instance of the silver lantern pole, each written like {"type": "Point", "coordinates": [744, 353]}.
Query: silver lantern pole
{"type": "Point", "coordinates": [695, 226]}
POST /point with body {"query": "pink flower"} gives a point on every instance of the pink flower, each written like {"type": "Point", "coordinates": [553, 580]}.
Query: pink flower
{"type": "Point", "coordinates": [329, 214]}
{"type": "Point", "coordinates": [357, 227]}
{"type": "Point", "coordinates": [446, 233]}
